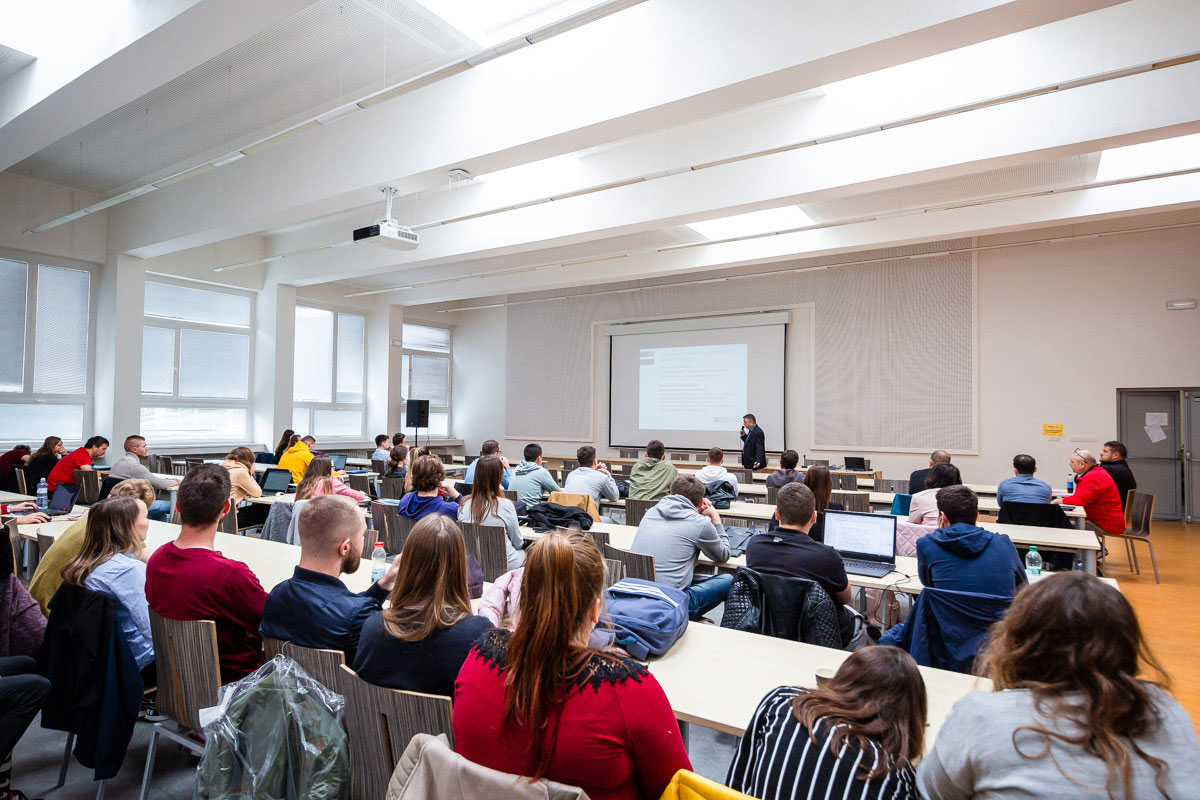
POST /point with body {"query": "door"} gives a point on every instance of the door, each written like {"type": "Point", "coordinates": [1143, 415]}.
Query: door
{"type": "Point", "coordinates": [1150, 430]}
{"type": "Point", "coordinates": [1191, 452]}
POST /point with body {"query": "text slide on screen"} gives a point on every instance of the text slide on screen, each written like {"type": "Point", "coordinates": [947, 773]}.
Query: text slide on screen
{"type": "Point", "coordinates": [698, 388]}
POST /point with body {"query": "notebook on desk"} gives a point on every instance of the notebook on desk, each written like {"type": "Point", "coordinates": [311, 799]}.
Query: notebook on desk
{"type": "Point", "coordinates": [867, 542]}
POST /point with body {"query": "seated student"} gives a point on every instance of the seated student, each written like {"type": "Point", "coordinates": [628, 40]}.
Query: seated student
{"type": "Point", "coordinates": [22, 693]}
{"type": "Point", "coordinates": [676, 531]}
{"type": "Point", "coordinates": [1069, 715]}
{"type": "Point", "coordinates": [530, 479]}
{"type": "Point", "coordinates": [319, 479]}
{"type": "Point", "coordinates": [108, 562]}
{"type": "Point", "coordinates": [48, 575]}
{"type": "Point", "coordinates": [651, 476]}
{"type": "Point", "coordinates": [489, 448]}
{"type": "Point", "coordinates": [859, 736]}
{"type": "Point", "coordinates": [288, 439]}
{"type": "Point", "coordinates": [398, 439]}
{"type": "Point", "coordinates": [189, 579]}
{"type": "Point", "coordinates": [428, 495]}
{"type": "Point", "coordinates": [786, 473]}
{"type": "Point", "coordinates": [242, 485]}
{"type": "Point", "coordinates": [19, 455]}
{"type": "Point", "coordinates": [314, 608]}
{"type": "Point", "coordinates": [297, 458]}
{"type": "Point", "coordinates": [397, 462]}
{"type": "Point", "coordinates": [916, 481]}
{"type": "Point", "coordinates": [1096, 491]}
{"type": "Point", "coordinates": [963, 557]}
{"type": "Point", "coordinates": [791, 552]}
{"type": "Point", "coordinates": [485, 505]}
{"type": "Point", "coordinates": [569, 712]}
{"type": "Point", "coordinates": [591, 477]}
{"type": "Point", "coordinates": [924, 508]}
{"type": "Point", "coordinates": [419, 643]}
{"type": "Point", "coordinates": [1023, 487]}
{"type": "Point", "coordinates": [1112, 460]}
{"type": "Point", "coordinates": [715, 470]}
{"type": "Point", "coordinates": [80, 458]}
{"type": "Point", "coordinates": [383, 449]}
{"type": "Point", "coordinates": [43, 460]}
{"type": "Point", "coordinates": [820, 482]}
{"type": "Point", "coordinates": [414, 454]}
{"type": "Point", "coordinates": [130, 466]}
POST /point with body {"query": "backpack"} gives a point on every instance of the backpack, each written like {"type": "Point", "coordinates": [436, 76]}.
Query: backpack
{"type": "Point", "coordinates": [648, 617]}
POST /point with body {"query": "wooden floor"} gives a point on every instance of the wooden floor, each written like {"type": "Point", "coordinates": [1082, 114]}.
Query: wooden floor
{"type": "Point", "coordinates": [1170, 612]}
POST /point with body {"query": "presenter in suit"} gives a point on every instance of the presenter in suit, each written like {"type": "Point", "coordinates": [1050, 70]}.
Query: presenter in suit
{"type": "Point", "coordinates": [754, 444]}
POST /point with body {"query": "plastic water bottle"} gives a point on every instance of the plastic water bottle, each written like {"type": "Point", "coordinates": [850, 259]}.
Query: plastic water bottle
{"type": "Point", "coordinates": [43, 495]}
{"type": "Point", "coordinates": [1070, 483]}
{"type": "Point", "coordinates": [1033, 561]}
{"type": "Point", "coordinates": [378, 562]}
{"type": "Point", "coordinates": [1078, 565]}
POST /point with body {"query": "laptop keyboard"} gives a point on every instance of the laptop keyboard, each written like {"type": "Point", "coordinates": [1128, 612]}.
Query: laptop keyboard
{"type": "Point", "coordinates": [875, 569]}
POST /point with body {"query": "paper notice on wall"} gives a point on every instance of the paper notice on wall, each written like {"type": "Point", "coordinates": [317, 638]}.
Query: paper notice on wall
{"type": "Point", "coordinates": [1155, 433]}
{"type": "Point", "coordinates": [1051, 430]}
{"type": "Point", "coordinates": [1157, 418]}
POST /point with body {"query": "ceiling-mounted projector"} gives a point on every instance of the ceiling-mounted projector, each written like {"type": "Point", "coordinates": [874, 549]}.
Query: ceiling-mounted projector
{"type": "Point", "coordinates": [387, 231]}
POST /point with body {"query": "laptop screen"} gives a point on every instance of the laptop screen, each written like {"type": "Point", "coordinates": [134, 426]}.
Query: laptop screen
{"type": "Point", "coordinates": [277, 480]}
{"type": "Point", "coordinates": [63, 499]}
{"type": "Point", "coordinates": [856, 462]}
{"type": "Point", "coordinates": [339, 461]}
{"type": "Point", "coordinates": [857, 535]}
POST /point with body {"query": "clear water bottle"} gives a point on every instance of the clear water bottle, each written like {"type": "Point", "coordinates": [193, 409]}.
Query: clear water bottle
{"type": "Point", "coordinates": [1033, 561]}
{"type": "Point", "coordinates": [1078, 565]}
{"type": "Point", "coordinates": [1070, 483]}
{"type": "Point", "coordinates": [43, 495]}
{"type": "Point", "coordinates": [378, 562]}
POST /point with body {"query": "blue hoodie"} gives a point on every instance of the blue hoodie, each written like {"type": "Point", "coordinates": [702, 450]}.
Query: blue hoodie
{"type": "Point", "coordinates": [967, 558]}
{"type": "Point", "coordinates": [414, 506]}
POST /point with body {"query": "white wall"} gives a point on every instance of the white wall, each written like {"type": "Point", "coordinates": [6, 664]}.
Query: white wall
{"type": "Point", "coordinates": [1061, 327]}
{"type": "Point", "coordinates": [26, 203]}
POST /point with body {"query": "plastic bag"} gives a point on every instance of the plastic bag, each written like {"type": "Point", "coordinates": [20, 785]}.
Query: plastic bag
{"type": "Point", "coordinates": [277, 733]}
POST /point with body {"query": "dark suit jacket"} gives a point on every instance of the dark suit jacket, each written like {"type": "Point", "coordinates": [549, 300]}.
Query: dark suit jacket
{"type": "Point", "coordinates": [1122, 476]}
{"type": "Point", "coordinates": [754, 448]}
{"type": "Point", "coordinates": [916, 481]}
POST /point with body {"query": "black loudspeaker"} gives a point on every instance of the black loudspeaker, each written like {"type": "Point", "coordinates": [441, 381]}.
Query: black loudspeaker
{"type": "Point", "coordinates": [417, 414]}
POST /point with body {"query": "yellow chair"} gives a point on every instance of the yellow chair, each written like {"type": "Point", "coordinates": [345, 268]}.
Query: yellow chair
{"type": "Point", "coordinates": [690, 786]}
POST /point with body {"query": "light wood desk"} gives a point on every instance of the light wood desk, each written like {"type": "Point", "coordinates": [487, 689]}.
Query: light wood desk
{"type": "Point", "coordinates": [13, 497]}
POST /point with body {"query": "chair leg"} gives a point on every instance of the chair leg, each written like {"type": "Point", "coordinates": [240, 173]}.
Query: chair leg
{"type": "Point", "coordinates": [100, 791]}
{"type": "Point", "coordinates": [66, 761]}
{"type": "Point", "coordinates": [1137, 565]}
{"type": "Point", "coordinates": [149, 764]}
{"type": "Point", "coordinates": [1153, 560]}
{"type": "Point", "coordinates": [1130, 554]}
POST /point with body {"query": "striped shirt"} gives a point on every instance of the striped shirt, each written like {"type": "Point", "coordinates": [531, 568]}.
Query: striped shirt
{"type": "Point", "coordinates": [778, 760]}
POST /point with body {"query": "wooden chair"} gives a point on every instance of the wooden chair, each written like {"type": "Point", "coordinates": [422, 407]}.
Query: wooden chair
{"type": "Point", "coordinates": [568, 465]}
{"type": "Point", "coordinates": [600, 538]}
{"type": "Point", "coordinates": [393, 488]}
{"type": "Point", "coordinates": [510, 494]}
{"type": "Point", "coordinates": [325, 666]}
{"type": "Point", "coordinates": [1141, 511]}
{"type": "Point", "coordinates": [487, 543]}
{"type": "Point", "coordinates": [891, 485]}
{"type": "Point", "coordinates": [1132, 493]}
{"type": "Point", "coordinates": [743, 475]}
{"type": "Point", "coordinates": [636, 509]}
{"type": "Point", "coordinates": [636, 565]}
{"type": "Point", "coordinates": [853, 501]}
{"type": "Point", "coordinates": [88, 481]}
{"type": "Point", "coordinates": [190, 463]}
{"type": "Point", "coordinates": [846, 483]}
{"type": "Point", "coordinates": [401, 526]}
{"type": "Point", "coordinates": [772, 494]}
{"type": "Point", "coordinates": [229, 523]}
{"type": "Point", "coordinates": [380, 722]}
{"type": "Point", "coordinates": [389, 514]}
{"type": "Point", "coordinates": [189, 678]}
{"type": "Point", "coordinates": [614, 570]}
{"type": "Point", "coordinates": [22, 483]}
{"type": "Point", "coordinates": [361, 483]}
{"type": "Point", "coordinates": [379, 466]}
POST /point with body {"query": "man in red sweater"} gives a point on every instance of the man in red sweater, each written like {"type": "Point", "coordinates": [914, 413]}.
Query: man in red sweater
{"type": "Point", "coordinates": [81, 458]}
{"type": "Point", "coordinates": [189, 579]}
{"type": "Point", "coordinates": [1097, 493]}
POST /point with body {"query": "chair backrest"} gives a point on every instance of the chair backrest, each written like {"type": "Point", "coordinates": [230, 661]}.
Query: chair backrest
{"type": "Point", "coordinates": [379, 465]}
{"type": "Point", "coordinates": [400, 527]}
{"type": "Point", "coordinates": [14, 542]}
{"type": "Point", "coordinates": [106, 487]}
{"type": "Point", "coordinates": [816, 462]}
{"type": "Point", "coordinates": [510, 494]}
{"type": "Point", "coordinates": [636, 565]}
{"type": "Point", "coordinates": [229, 523]}
{"type": "Point", "coordinates": [487, 543]}
{"type": "Point", "coordinates": [636, 509]}
{"type": "Point", "coordinates": [392, 538]}
{"type": "Point", "coordinates": [743, 475]}
{"type": "Point", "coordinates": [22, 484]}
{"type": "Point", "coordinates": [44, 541]}
{"type": "Point", "coordinates": [189, 672]}
{"type": "Point", "coordinates": [901, 503]}
{"type": "Point", "coordinates": [380, 722]}
{"type": "Point", "coordinates": [614, 571]}
{"type": "Point", "coordinates": [848, 483]}
{"type": "Point", "coordinates": [600, 538]}
{"type": "Point", "coordinates": [782, 606]}
{"type": "Point", "coordinates": [190, 463]}
{"type": "Point", "coordinates": [853, 501]}
{"type": "Point", "coordinates": [323, 665]}
{"type": "Point", "coordinates": [568, 465]}
{"type": "Point", "coordinates": [88, 481]}
{"type": "Point", "coordinates": [1127, 505]}
{"type": "Point", "coordinates": [361, 483]}
{"type": "Point", "coordinates": [264, 458]}
{"type": "Point", "coordinates": [1141, 510]}
{"type": "Point", "coordinates": [393, 488]}
{"type": "Point", "coordinates": [772, 494]}
{"type": "Point", "coordinates": [893, 485]}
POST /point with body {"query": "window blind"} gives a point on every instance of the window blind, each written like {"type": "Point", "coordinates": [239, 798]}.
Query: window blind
{"type": "Point", "coordinates": [169, 301]}
{"type": "Point", "coordinates": [425, 337]}
{"type": "Point", "coordinates": [351, 344]}
{"type": "Point", "coordinates": [14, 276]}
{"type": "Point", "coordinates": [158, 360]}
{"type": "Point", "coordinates": [313, 371]}
{"type": "Point", "coordinates": [61, 335]}
{"type": "Point", "coordinates": [213, 364]}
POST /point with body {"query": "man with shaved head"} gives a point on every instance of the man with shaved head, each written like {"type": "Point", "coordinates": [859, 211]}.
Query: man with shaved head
{"type": "Point", "coordinates": [314, 608]}
{"type": "Point", "coordinates": [1097, 493]}
{"type": "Point", "coordinates": [916, 481]}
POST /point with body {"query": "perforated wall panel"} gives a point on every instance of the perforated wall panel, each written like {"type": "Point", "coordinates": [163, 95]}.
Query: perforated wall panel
{"type": "Point", "coordinates": [894, 345]}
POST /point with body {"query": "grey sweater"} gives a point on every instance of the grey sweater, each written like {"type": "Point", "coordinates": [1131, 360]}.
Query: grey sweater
{"type": "Point", "coordinates": [974, 756]}
{"type": "Point", "coordinates": [585, 480]}
{"type": "Point", "coordinates": [506, 515]}
{"type": "Point", "coordinates": [675, 533]}
{"type": "Point", "coordinates": [130, 466]}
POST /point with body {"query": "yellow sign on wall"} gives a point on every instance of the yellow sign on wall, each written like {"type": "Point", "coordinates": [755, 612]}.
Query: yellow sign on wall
{"type": "Point", "coordinates": [1052, 430]}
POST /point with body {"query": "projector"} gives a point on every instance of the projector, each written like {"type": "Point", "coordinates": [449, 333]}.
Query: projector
{"type": "Point", "coordinates": [388, 233]}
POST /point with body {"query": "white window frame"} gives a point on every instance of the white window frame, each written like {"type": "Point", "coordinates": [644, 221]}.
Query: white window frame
{"type": "Point", "coordinates": [307, 427]}
{"type": "Point", "coordinates": [173, 400]}
{"type": "Point", "coordinates": [408, 352]}
{"type": "Point", "coordinates": [26, 396]}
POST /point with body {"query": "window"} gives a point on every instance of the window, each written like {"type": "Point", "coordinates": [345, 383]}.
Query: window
{"type": "Point", "coordinates": [329, 374]}
{"type": "Point", "coordinates": [195, 364]}
{"type": "Point", "coordinates": [45, 322]}
{"type": "Point", "coordinates": [425, 374]}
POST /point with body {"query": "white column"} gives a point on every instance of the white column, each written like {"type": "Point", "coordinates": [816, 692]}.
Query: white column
{"type": "Point", "coordinates": [274, 356]}
{"type": "Point", "coordinates": [116, 397]}
{"type": "Point", "coordinates": [384, 325]}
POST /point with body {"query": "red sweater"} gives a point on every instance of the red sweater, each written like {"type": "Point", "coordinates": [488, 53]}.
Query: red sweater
{"type": "Point", "coordinates": [617, 735]}
{"type": "Point", "coordinates": [64, 470]}
{"type": "Point", "coordinates": [196, 583]}
{"type": "Point", "coordinates": [1097, 493]}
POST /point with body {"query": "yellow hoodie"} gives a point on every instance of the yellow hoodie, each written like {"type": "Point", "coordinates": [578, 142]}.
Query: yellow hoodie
{"type": "Point", "coordinates": [296, 459]}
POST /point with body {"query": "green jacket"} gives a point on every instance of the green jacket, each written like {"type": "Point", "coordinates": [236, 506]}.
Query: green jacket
{"type": "Point", "coordinates": [276, 739]}
{"type": "Point", "coordinates": [650, 479]}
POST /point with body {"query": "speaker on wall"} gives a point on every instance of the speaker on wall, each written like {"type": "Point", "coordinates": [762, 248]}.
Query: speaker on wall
{"type": "Point", "coordinates": [416, 415]}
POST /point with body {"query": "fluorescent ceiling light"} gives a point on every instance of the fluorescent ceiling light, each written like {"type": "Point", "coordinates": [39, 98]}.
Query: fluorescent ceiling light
{"type": "Point", "coordinates": [183, 176]}
{"type": "Point", "coordinates": [490, 22]}
{"type": "Point", "coordinates": [377, 291]}
{"type": "Point", "coordinates": [1149, 158]}
{"type": "Point", "coordinates": [279, 137]}
{"type": "Point", "coordinates": [339, 112]}
{"type": "Point", "coordinates": [229, 159]}
{"type": "Point", "coordinates": [756, 222]}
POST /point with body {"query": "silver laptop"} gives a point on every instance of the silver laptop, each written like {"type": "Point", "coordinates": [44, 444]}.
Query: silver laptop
{"type": "Point", "coordinates": [867, 542]}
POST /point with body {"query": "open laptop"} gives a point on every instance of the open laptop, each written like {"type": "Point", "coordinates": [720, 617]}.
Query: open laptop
{"type": "Point", "coordinates": [339, 461]}
{"type": "Point", "coordinates": [867, 542]}
{"type": "Point", "coordinates": [857, 464]}
{"type": "Point", "coordinates": [275, 481]}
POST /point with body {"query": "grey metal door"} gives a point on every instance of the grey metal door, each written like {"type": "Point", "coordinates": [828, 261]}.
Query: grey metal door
{"type": "Point", "coordinates": [1191, 467]}
{"type": "Point", "coordinates": [1147, 416]}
